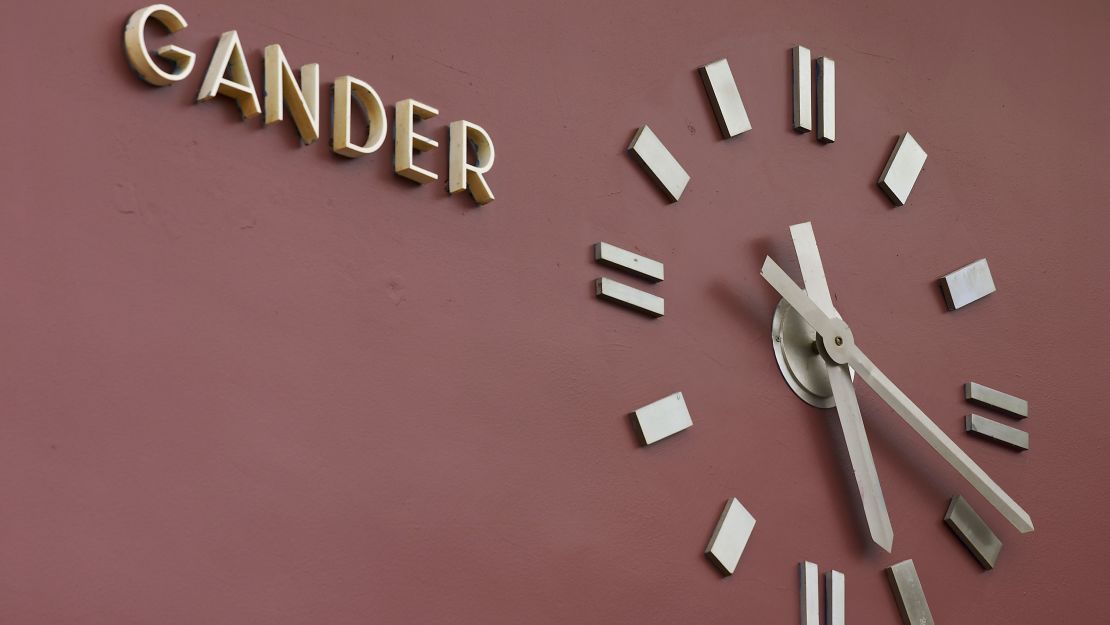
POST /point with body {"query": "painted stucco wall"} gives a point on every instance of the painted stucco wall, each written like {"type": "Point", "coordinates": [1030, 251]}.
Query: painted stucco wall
{"type": "Point", "coordinates": [245, 381]}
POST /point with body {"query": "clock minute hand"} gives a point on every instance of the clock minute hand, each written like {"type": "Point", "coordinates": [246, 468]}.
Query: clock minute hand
{"type": "Point", "coordinates": [841, 347]}
{"type": "Point", "coordinates": [847, 407]}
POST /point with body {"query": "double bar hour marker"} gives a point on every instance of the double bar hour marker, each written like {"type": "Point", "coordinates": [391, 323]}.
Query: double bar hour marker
{"type": "Point", "coordinates": [834, 596]}
{"type": "Point", "coordinates": [993, 430]}
{"type": "Point", "coordinates": [633, 264]}
{"type": "Point", "coordinates": [803, 95]}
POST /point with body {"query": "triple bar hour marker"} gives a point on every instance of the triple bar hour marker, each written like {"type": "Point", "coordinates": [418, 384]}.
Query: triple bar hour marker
{"type": "Point", "coordinates": [633, 264]}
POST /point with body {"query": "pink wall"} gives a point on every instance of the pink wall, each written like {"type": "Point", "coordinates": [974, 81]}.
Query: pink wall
{"type": "Point", "coordinates": [249, 382]}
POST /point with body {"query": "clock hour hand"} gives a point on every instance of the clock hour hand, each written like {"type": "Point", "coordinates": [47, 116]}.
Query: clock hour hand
{"type": "Point", "coordinates": [847, 407]}
{"type": "Point", "coordinates": [841, 348]}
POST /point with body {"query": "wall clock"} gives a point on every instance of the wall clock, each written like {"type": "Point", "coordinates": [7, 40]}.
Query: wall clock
{"type": "Point", "coordinates": [817, 355]}
{"type": "Point", "coordinates": [248, 380]}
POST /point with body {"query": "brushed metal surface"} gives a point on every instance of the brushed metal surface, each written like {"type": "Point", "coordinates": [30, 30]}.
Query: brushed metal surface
{"type": "Point", "coordinates": [997, 432]}
{"type": "Point", "coordinates": [803, 96]}
{"type": "Point", "coordinates": [730, 536]}
{"type": "Point", "coordinates": [624, 295]}
{"type": "Point", "coordinates": [647, 150]}
{"type": "Point", "coordinates": [810, 608]}
{"type": "Point", "coordinates": [906, 586]}
{"type": "Point", "coordinates": [967, 284]}
{"type": "Point", "coordinates": [847, 406]}
{"type": "Point", "coordinates": [973, 532]}
{"type": "Point", "coordinates": [834, 598]}
{"type": "Point", "coordinates": [662, 418]}
{"type": "Point", "coordinates": [724, 96]}
{"type": "Point", "coordinates": [991, 398]}
{"type": "Point", "coordinates": [629, 262]}
{"type": "Point", "coordinates": [839, 344]}
{"type": "Point", "coordinates": [801, 365]}
{"type": "Point", "coordinates": [902, 169]}
{"type": "Point", "coordinates": [826, 99]}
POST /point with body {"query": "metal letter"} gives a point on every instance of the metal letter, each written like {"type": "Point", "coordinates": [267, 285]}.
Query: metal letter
{"type": "Point", "coordinates": [997, 432]}
{"type": "Point", "coordinates": [461, 175]}
{"type": "Point", "coordinates": [647, 150]}
{"type": "Point", "coordinates": [826, 100]}
{"type": "Point", "coordinates": [346, 88]}
{"type": "Point", "coordinates": [625, 295]}
{"type": "Point", "coordinates": [134, 42]}
{"type": "Point", "coordinates": [639, 266]}
{"type": "Point", "coordinates": [834, 598]}
{"type": "Point", "coordinates": [907, 592]}
{"type": "Point", "coordinates": [731, 536]}
{"type": "Point", "coordinates": [973, 532]}
{"type": "Point", "coordinates": [305, 103]}
{"type": "Point", "coordinates": [986, 396]}
{"type": "Point", "coordinates": [720, 86]}
{"type": "Point", "coordinates": [405, 140]}
{"type": "Point", "coordinates": [902, 169]}
{"type": "Point", "coordinates": [662, 418]}
{"type": "Point", "coordinates": [810, 609]}
{"type": "Point", "coordinates": [803, 97]}
{"type": "Point", "coordinates": [239, 87]}
{"type": "Point", "coordinates": [967, 284]}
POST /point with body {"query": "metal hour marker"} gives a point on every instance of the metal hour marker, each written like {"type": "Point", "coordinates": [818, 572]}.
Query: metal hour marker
{"type": "Point", "coordinates": [629, 297]}
{"type": "Point", "coordinates": [908, 594]}
{"type": "Point", "coordinates": [725, 98]}
{"type": "Point", "coordinates": [803, 97]}
{"type": "Point", "coordinates": [826, 100]}
{"type": "Point", "coordinates": [902, 169]}
{"type": "Point", "coordinates": [973, 532]}
{"type": "Point", "coordinates": [986, 396]}
{"type": "Point", "coordinates": [731, 536]}
{"type": "Point", "coordinates": [967, 284]}
{"type": "Point", "coordinates": [639, 266]}
{"type": "Point", "coordinates": [653, 156]}
{"type": "Point", "coordinates": [997, 432]}
{"type": "Point", "coordinates": [834, 598]}
{"type": "Point", "coordinates": [662, 418]}
{"type": "Point", "coordinates": [810, 608]}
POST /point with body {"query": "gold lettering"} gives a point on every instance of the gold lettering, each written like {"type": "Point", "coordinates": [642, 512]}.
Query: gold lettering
{"type": "Point", "coordinates": [229, 57]}
{"type": "Point", "coordinates": [134, 42]}
{"type": "Point", "coordinates": [462, 175]}
{"type": "Point", "coordinates": [346, 88]}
